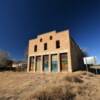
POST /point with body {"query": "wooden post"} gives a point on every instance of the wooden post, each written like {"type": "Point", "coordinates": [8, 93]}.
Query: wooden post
{"type": "Point", "coordinates": [58, 63]}
{"type": "Point", "coordinates": [28, 64]}
{"type": "Point", "coordinates": [96, 71]}
{"type": "Point", "coordinates": [49, 62]}
{"type": "Point", "coordinates": [34, 63]}
{"type": "Point", "coordinates": [86, 66]}
{"type": "Point", "coordinates": [41, 63]}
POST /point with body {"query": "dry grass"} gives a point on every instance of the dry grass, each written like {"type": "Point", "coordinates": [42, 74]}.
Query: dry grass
{"type": "Point", "coordinates": [61, 86]}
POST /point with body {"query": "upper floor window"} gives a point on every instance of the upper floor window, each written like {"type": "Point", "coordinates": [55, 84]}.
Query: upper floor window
{"type": "Point", "coordinates": [57, 44]}
{"type": "Point", "coordinates": [50, 37]}
{"type": "Point", "coordinates": [35, 48]}
{"type": "Point", "coordinates": [45, 46]}
{"type": "Point", "coordinates": [41, 40]}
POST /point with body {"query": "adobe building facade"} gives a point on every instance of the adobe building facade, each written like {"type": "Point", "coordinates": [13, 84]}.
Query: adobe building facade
{"type": "Point", "coordinates": [54, 52]}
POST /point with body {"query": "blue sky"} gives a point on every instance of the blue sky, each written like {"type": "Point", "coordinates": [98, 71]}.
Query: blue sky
{"type": "Point", "coordinates": [21, 20]}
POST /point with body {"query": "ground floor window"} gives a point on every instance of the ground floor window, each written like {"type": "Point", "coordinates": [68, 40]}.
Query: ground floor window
{"type": "Point", "coordinates": [38, 63]}
{"type": "Point", "coordinates": [31, 64]}
{"type": "Point", "coordinates": [54, 63]}
{"type": "Point", "coordinates": [45, 63]}
{"type": "Point", "coordinates": [63, 62]}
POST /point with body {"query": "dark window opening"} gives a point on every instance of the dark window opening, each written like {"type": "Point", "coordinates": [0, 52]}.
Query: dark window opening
{"type": "Point", "coordinates": [45, 46]}
{"type": "Point", "coordinates": [57, 44]}
{"type": "Point", "coordinates": [35, 48]}
{"type": "Point", "coordinates": [41, 40]}
{"type": "Point", "coordinates": [50, 37]}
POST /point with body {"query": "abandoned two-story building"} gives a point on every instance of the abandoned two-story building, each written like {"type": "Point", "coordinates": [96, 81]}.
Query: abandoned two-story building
{"type": "Point", "coordinates": [54, 52]}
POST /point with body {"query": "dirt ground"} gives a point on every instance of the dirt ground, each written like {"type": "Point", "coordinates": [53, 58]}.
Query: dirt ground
{"type": "Point", "coordinates": [22, 85]}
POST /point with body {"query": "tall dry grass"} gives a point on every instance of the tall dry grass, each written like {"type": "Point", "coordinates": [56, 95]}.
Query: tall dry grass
{"type": "Point", "coordinates": [49, 86]}
{"type": "Point", "coordinates": [66, 87]}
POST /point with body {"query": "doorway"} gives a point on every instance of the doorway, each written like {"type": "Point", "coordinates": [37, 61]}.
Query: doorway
{"type": "Point", "coordinates": [63, 62]}
{"type": "Point", "coordinates": [38, 64]}
{"type": "Point", "coordinates": [46, 63]}
{"type": "Point", "coordinates": [54, 63]}
{"type": "Point", "coordinates": [31, 68]}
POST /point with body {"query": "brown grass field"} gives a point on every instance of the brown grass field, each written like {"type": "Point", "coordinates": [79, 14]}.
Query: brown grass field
{"type": "Point", "coordinates": [54, 86]}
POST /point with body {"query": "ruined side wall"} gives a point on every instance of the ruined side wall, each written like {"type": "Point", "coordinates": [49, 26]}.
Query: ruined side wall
{"type": "Point", "coordinates": [76, 55]}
